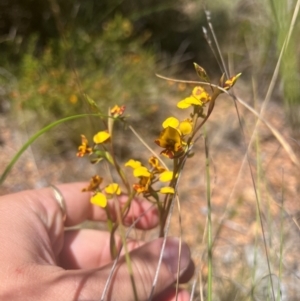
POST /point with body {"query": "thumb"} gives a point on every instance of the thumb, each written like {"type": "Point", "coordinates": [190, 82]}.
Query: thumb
{"type": "Point", "coordinates": [144, 261]}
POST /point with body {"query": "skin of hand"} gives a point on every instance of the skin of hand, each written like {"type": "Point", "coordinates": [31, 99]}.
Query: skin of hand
{"type": "Point", "coordinates": [41, 260]}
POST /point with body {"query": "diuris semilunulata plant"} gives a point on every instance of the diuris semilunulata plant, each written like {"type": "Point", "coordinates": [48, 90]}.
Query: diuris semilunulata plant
{"type": "Point", "coordinates": [155, 182]}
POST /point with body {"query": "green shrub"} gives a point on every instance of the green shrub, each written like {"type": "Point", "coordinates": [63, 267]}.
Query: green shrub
{"type": "Point", "coordinates": [112, 68]}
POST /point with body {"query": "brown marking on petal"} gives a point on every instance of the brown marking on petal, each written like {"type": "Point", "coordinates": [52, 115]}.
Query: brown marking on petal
{"type": "Point", "coordinates": [157, 141]}
{"type": "Point", "coordinates": [168, 153]}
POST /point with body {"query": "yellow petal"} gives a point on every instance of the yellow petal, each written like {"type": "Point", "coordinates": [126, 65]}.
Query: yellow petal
{"type": "Point", "coordinates": [183, 105]}
{"type": "Point", "coordinates": [197, 91]}
{"type": "Point", "coordinates": [99, 199]}
{"type": "Point", "coordinates": [166, 176]}
{"type": "Point", "coordinates": [185, 127]}
{"type": "Point", "coordinates": [165, 190]}
{"type": "Point", "coordinates": [113, 188]}
{"type": "Point", "coordinates": [193, 101]}
{"type": "Point", "coordinates": [172, 122]}
{"type": "Point", "coordinates": [141, 172]}
{"type": "Point", "coordinates": [134, 164]}
{"type": "Point", "coordinates": [101, 137]}
{"type": "Point", "coordinates": [200, 94]}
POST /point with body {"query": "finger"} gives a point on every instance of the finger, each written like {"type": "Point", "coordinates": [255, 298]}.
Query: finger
{"type": "Point", "coordinates": [57, 284]}
{"type": "Point", "coordinates": [144, 261]}
{"type": "Point", "coordinates": [172, 295]}
{"type": "Point", "coordinates": [89, 249]}
{"type": "Point", "coordinates": [42, 204]}
{"type": "Point", "coordinates": [79, 208]}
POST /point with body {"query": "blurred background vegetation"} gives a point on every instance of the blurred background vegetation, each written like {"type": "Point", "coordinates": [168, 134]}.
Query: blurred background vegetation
{"type": "Point", "coordinates": [55, 52]}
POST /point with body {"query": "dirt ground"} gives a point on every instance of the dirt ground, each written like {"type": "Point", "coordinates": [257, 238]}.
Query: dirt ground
{"type": "Point", "coordinates": [238, 246]}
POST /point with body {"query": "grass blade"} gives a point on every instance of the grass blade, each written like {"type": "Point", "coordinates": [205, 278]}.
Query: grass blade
{"type": "Point", "coordinates": [33, 138]}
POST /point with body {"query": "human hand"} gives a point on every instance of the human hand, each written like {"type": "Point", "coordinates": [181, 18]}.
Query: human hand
{"type": "Point", "coordinates": [39, 260]}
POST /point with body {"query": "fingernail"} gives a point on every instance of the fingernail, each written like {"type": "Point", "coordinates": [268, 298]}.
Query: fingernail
{"type": "Point", "coordinates": [171, 256]}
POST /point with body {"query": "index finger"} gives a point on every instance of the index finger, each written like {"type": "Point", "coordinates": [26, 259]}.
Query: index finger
{"type": "Point", "coordinates": [80, 209]}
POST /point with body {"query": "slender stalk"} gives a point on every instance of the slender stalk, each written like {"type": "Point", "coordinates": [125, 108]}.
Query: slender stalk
{"type": "Point", "coordinates": [119, 170]}
{"type": "Point", "coordinates": [129, 265]}
{"type": "Point", "coordinates": [209, 223]}
{"type": "Point", "coordinates": [278, 297]}
{"type": "Point", "coordinates": [178, 167]}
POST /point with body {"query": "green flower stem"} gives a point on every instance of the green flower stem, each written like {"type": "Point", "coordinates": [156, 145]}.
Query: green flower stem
{"type": "Point", "coordinates": [165, 212]}
{"type": "Point", "coordinates": [161, 217]}
{"type": "Point", "coordinates": [113, 247]}
{"type": "Point", "coordinates": [129, 265]}
{"type": "Point", "coordinates": [177, 167]}
{"type": "Point", "coordinates": [115, 163]}
{"type": "Point", "coordinates": [121, 173]}
{"type": "Point", "coordinates": [113, 227]}
{"type": "Point", "coordinates": [209, 225]}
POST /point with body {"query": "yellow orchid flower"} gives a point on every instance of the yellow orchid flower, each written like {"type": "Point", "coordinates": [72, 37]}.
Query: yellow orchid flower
{"type": "Point", "coordinates": [94, 184]}
{"type": "Point", "coordinates": [143, 185]}
{"type": "Point", "coordinates": [199, 97]}
{"type": "Point", "coordinates": [170, 139]}
{"type": "Point", "coordinates": [117, 111]}
{"type": "Point", "coordinates": [84, 148]}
